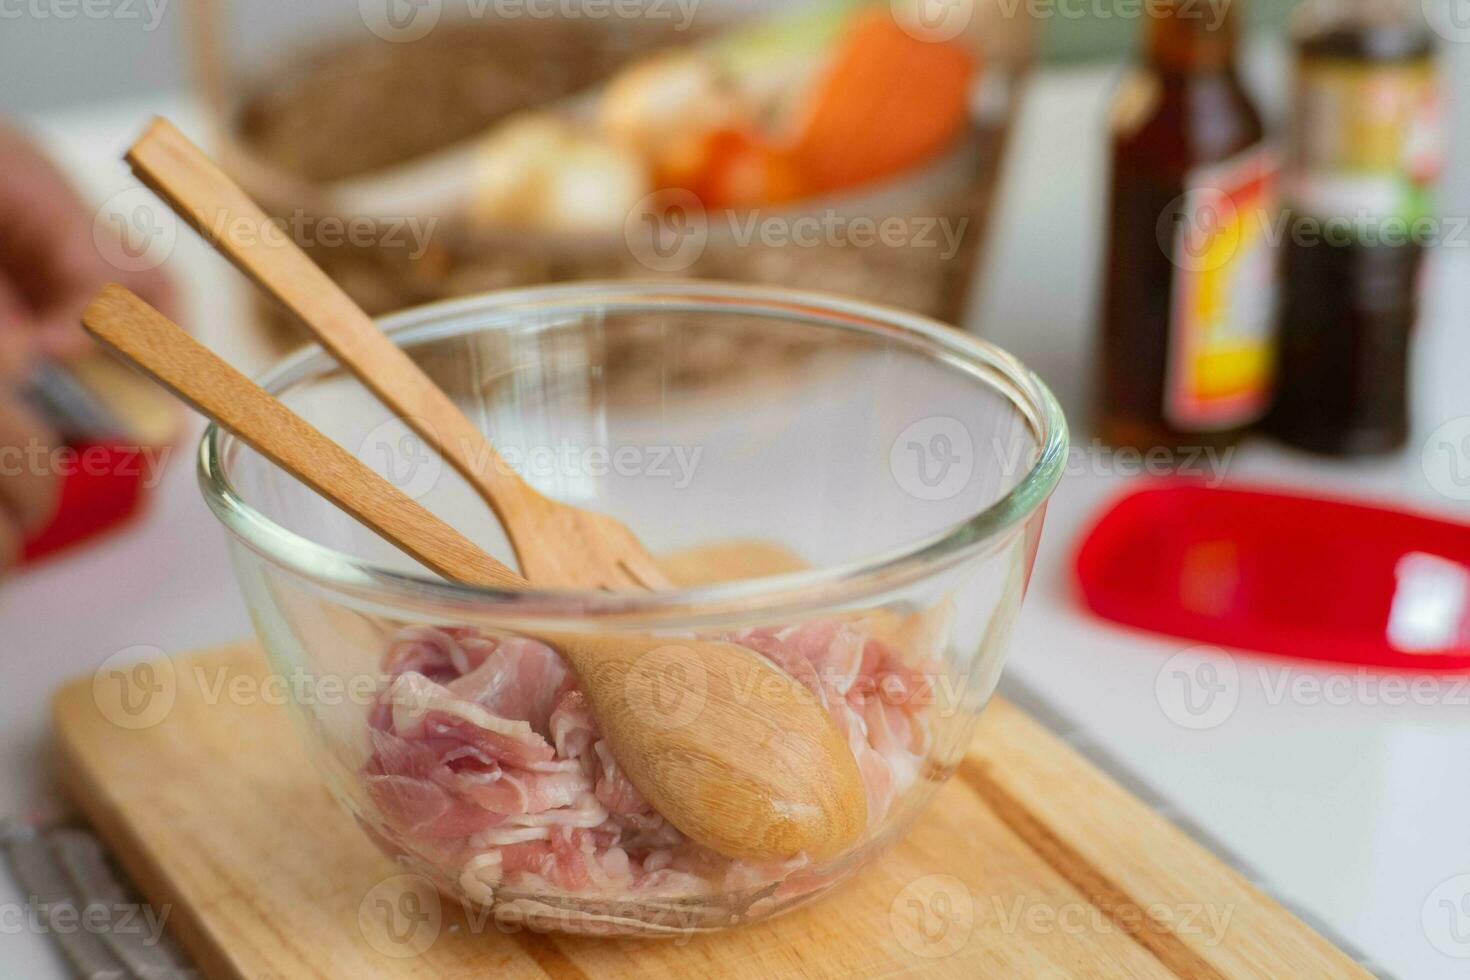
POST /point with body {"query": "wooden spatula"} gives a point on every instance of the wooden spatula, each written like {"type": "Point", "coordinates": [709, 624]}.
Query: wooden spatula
{"type": "Point", "coordinates": [557, 545]}
{"type": "Point", "coordinates": [747, 763]}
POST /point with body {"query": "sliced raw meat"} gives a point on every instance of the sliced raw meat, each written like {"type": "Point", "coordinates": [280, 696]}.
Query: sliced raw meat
{"type": "Point", "coordinates": [486, 747]}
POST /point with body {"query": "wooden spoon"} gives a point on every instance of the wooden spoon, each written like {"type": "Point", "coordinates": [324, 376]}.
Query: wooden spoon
{"type": "Point", "coordinates": [729, 749]}
{"type": "Point", "coordinates": [557, 545]}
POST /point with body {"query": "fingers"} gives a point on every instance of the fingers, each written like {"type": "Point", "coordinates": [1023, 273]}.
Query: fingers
{"type": "Point", "coordinates": [80, 271]}
{"type": "Point", "coordinates": [41, 217]}
{"type": "Point", "coordinates": [17, 343]}
{"type": "Point", "coordinates": [30, 488]}
{"type": "Point", "coordinates": [49, 258]}
{"type": "Point", "coordinates": [77, 272]}
{"type": "Point", "coordinates": [155, 287]}
{"type": "Point", "coordinates": [11, 541]}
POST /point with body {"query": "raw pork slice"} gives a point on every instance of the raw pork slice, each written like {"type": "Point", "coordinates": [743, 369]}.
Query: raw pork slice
{"type": "Point", "coordinates": [486, 757]}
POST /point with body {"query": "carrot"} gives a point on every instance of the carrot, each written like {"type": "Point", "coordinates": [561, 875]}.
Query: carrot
{"type": "Point", "coordinates": [731, 168]}
{"type": "Point", "coordinates": [888, 101]}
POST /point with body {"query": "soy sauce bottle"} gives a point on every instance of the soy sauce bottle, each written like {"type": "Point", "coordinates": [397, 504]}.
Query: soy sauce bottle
{"type": "Point", "coordinates": [1188, 305]}
{"type": "Point", "coordinates": [1364, 149]}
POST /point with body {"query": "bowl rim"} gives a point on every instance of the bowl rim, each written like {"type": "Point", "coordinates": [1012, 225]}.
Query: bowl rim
{"type": "Point", "coordinates": [809, 588]}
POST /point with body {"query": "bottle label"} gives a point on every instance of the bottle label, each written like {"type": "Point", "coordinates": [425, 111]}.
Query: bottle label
{"type": "Point", "coordinates": [1367, 139]}
{"type": "Point", "coordinates": [1223, 301]}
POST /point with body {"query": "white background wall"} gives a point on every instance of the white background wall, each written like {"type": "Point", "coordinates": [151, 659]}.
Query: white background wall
{"type": "Point", "coordinates": [60, 52]}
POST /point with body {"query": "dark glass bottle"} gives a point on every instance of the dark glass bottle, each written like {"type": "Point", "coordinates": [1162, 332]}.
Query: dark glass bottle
{"type": "Point", "coordinates": [1188, 297]}
{"type": "Point", "coordinates": [1364, 147]}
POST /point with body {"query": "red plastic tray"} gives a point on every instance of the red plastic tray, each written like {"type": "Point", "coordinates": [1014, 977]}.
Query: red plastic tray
{"type": "Point", "coordinates": [1283, 573]}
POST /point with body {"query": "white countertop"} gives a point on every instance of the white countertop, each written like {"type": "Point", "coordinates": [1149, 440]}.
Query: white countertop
{"type": "Point", "coordinates": [1354, 810]}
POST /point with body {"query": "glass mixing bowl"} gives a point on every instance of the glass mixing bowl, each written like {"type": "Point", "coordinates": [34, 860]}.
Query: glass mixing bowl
{"type": "Point", "coordinates": [858, 496]}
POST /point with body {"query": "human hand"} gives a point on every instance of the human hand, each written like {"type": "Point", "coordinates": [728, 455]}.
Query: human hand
{"type": "Point", "coordinates": [29, 485]}
{"type": "Point", "coordinates": [50, 265]}
{"type": "Point", "coordinates": [50, 268]}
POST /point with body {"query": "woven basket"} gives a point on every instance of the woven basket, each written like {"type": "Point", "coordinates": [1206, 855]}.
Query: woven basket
{"type": "Point", "coordinates": [348, 108]}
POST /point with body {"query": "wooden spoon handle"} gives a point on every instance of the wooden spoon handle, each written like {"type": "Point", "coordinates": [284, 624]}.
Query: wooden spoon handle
{"type": "Point", "coordinates": [216, 207]}
{"type": "Point", "coordinates": [161, 349]}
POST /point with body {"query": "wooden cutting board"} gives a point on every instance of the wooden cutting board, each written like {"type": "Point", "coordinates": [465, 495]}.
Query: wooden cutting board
{"type": "Point", "coordinates": [1029, 863]}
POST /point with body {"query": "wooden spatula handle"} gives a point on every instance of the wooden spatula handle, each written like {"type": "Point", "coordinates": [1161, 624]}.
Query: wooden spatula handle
{"type": "Point", "coordinates": [180, 363]}
{"type": "Point", "coordinates": [214, 205]}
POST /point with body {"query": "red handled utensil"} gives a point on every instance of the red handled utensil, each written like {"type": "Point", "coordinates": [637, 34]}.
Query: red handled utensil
{"type": "Point", "coordinates": [117, 430]}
